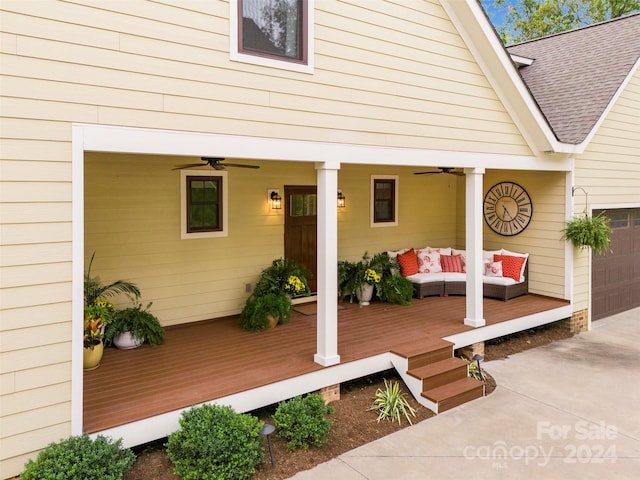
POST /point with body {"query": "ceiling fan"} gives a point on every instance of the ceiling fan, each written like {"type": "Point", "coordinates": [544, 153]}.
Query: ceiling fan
{"type": "Point", "coordinates": [213, 162]}
{"type": "Point", "coordinates": [449, 170]}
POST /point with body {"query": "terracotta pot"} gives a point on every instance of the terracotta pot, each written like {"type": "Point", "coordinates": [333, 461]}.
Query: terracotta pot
{"type": "Point", "coordinates": [273, 321]}
{"type": "Point", "coordinates": [364, 294]}
{"type": "Point", "coordinates": [126, 341]}
{"type": "Point", "coordinates": [93, 356]}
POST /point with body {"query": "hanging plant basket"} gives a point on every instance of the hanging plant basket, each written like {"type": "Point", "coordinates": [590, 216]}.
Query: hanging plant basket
{"type": "Point", "coordinates": [589, 232]}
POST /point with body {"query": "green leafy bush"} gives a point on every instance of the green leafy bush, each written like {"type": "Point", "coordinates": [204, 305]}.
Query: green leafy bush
{"type": "Point", "coordinates": [139, 321]}
{"type": "Point", "coordinates": [302, 421]}
{"type": "Point", "coordinates": [257, 310]}
{"type": "Point", "coordinates": [394, 288]}
{"type": "Point", "coordinates": [276, 278]}
{"type": "Point", "coordinates": [589, 232]}
{"type": "Point", "coordinates": [81, 458]}
{"type": "Point", "coordinates": [391, 403]}
{"type": "Point", "coordinates": [215, 443]}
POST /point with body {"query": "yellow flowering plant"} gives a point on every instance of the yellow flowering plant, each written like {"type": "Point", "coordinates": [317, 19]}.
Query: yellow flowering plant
{"type": "Point", "coordinates": [371, 276]}
{"type": "Point", "coordinates": [284, 276]}
{"type": "Point", "coordinates": [294, 285]}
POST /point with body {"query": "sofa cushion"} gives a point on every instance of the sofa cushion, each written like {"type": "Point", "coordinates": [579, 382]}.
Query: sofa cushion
{"type": "Point", "coordinates": [408, 262]}
{"type": "Point", "coordinates": [428, 262]}
{"type": "Point", "coordinates": [487, 255]}
{"type": "Point", "coordinates": [395, 253]}
{"type": "Point", "coordinates": [503, 281]}
{"type": "Point", "coordinates": [454, 276]}
{"type": "Point", "coordinates": [440, 250]}
{"type": "Point", "coordinates": [493, 269]}
{"type": "Point", "coordinates": [426, 277]}
{"type": "Point", "coordinates": [451, 263]}
{"type": "Point", "coordinates": [512, 266]}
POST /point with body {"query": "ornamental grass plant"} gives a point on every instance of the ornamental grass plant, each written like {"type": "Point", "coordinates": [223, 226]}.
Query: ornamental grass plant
{"type": "Point", "coordinates": [392, 404]}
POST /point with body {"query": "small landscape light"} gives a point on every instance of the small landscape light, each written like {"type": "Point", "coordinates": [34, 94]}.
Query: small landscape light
{"type": "Point", "coordinates": [477, 358]}
{"type": "Point", "coordinates": [266, 431]}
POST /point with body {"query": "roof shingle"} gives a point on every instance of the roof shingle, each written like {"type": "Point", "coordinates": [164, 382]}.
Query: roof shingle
{"type": "Point", "coordinates": [575, 74]}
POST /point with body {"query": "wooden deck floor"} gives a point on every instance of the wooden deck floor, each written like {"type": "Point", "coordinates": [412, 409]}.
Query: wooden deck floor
{"type": "Point", "coordinates": [211, 359]}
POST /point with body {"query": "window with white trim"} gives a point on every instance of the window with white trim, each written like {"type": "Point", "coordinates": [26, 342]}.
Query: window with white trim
{"type": "Point", "coordinates": [384, 200]}
{"type": "Point", "coordinates": [203, 204]}
{"type": "Point", "coordinates": [274, 33]}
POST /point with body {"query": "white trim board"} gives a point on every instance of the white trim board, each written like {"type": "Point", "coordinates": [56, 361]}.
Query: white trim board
{"type": "Point", "coordinates": [100, 138]}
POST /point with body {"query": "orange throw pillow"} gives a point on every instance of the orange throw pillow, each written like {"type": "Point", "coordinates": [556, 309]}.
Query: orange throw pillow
{"type": "Point", "coordinates": [451, 263]}
{"type": "Point", "coordinates": [511, 266]}
{"type": "Point", "coordinates": [408, 263]}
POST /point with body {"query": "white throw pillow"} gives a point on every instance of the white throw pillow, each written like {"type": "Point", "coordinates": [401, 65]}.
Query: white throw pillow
{"type": "Point", "coordinates": [493, 269]}
{"type": "Point", "coordinates": [428, 261]}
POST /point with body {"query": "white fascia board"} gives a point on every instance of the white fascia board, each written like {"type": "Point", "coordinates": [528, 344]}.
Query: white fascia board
{"type": "Point", "coordinates": [521, 61]}
{"type": "Point", "coordinates": [101, 138]}
{"type": "Point", "coordinates": [495, 62]}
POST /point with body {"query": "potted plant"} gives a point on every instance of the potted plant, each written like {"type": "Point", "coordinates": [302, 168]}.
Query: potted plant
{"type": "Point", "coordinates": [265, 311]}
{"type": "Point", "coordinates": [393, 287]}
{"type": "Point", "coordinates": [94, 288]}
{"type": "Point", "coordinates": [99, 312]}
{"type": "Point", "coordinates": [96, 317]}
{"type": "Point", "coordinates": [589, 232]}
{"type": "Point", "coordinates": [283, 276]}
{"type": "Point", "coordinates": [133, 326]}
{"type": "Point", "coordinates": [358, 278]}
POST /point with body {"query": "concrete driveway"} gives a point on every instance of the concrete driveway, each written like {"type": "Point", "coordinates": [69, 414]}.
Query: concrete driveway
{"type": "Point", "coordinates": [567, 410]}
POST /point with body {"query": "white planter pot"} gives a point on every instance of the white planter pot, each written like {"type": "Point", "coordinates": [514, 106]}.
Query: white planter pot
{"type": "Point", "coordinates": [126, 341]}
{"type": "Point", "coordinates": [364, 294]}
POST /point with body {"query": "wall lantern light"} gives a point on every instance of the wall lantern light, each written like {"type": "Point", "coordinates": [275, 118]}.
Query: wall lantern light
{"type": "Point", "coordinates": [275, 199]}
{"type": "Point", "coordinates": [341, 199]}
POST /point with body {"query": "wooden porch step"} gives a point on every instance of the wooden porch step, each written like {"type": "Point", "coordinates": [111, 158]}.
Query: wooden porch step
{"type": "Point", "coordinates": [440, 373]}
{"type": "Point", "coordinates": [455, 393]}
{"type": "Point", "coordinates": [425, 353]}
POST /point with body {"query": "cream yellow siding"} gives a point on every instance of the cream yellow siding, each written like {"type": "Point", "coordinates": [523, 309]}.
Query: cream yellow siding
{"type": "Point", "coordinates": [387, 74]}
{"type": "Point", "coordinates": [400, 80]}
{"type": "Point", "coordinates": [609, 171]}
{"type": "Point", "coordinates": [542, 239]}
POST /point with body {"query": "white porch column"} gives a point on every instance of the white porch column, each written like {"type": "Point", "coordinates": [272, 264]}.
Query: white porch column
{"type": "Point", "coordinates": [327, 336]}
{"type": "Point", "coordinates": [473, 229]}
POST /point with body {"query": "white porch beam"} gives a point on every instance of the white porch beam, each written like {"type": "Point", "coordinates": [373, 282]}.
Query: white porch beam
{"type": "Point", "coordinates": [327, 318]}
{"type": "Point", "coordinates": [473, 229]}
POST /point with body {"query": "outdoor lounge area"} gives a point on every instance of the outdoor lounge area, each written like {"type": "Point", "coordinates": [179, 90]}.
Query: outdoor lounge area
{"type": "Point", "coordinates": [216, 359]}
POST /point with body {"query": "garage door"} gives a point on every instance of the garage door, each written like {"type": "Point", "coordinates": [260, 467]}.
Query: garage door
{"type": "Point", "coordinates": [615, 283]}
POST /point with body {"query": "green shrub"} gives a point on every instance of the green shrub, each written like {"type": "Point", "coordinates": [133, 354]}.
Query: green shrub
{"type": "Point", "coordinates": [276, 278]}
{"type": "Point", "coordinates": [215, 443]}
{"type": "Point", "coordinates": [139, 321]}
{"type": "Point", "coordinates": [589, 232]}
{"type": "Point", "coordinates": [391, 403]}
{"type": "Point", "coordinates": [257, 310]}
{"type": "Point", "coordinates": [81, 458]}
{"type": "Point", "coordinates": [394, 288]}
{"type": "Point", "coordinates": [302, 421]}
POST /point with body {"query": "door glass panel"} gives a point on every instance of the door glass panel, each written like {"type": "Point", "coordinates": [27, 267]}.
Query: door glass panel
{"type": "Point", "coordinates": [303, 205]}
{"type": "Point", "coordinates": [618, 219]}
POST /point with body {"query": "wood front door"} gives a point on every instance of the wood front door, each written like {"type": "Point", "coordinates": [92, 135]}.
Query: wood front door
{"type": "Point", "coordinates": [300, 228]}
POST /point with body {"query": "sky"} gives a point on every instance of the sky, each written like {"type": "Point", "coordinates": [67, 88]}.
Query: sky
{"type": "Point", "coordinates": [496, 13]}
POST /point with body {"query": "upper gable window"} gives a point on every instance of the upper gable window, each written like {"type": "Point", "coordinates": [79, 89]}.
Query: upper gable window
{"type": "Point", "coordinates": [384, 200]}
{"type": "Point", "coordinates": [275, 33]}
{"type": "Point", "coordinates": [203, 204]}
